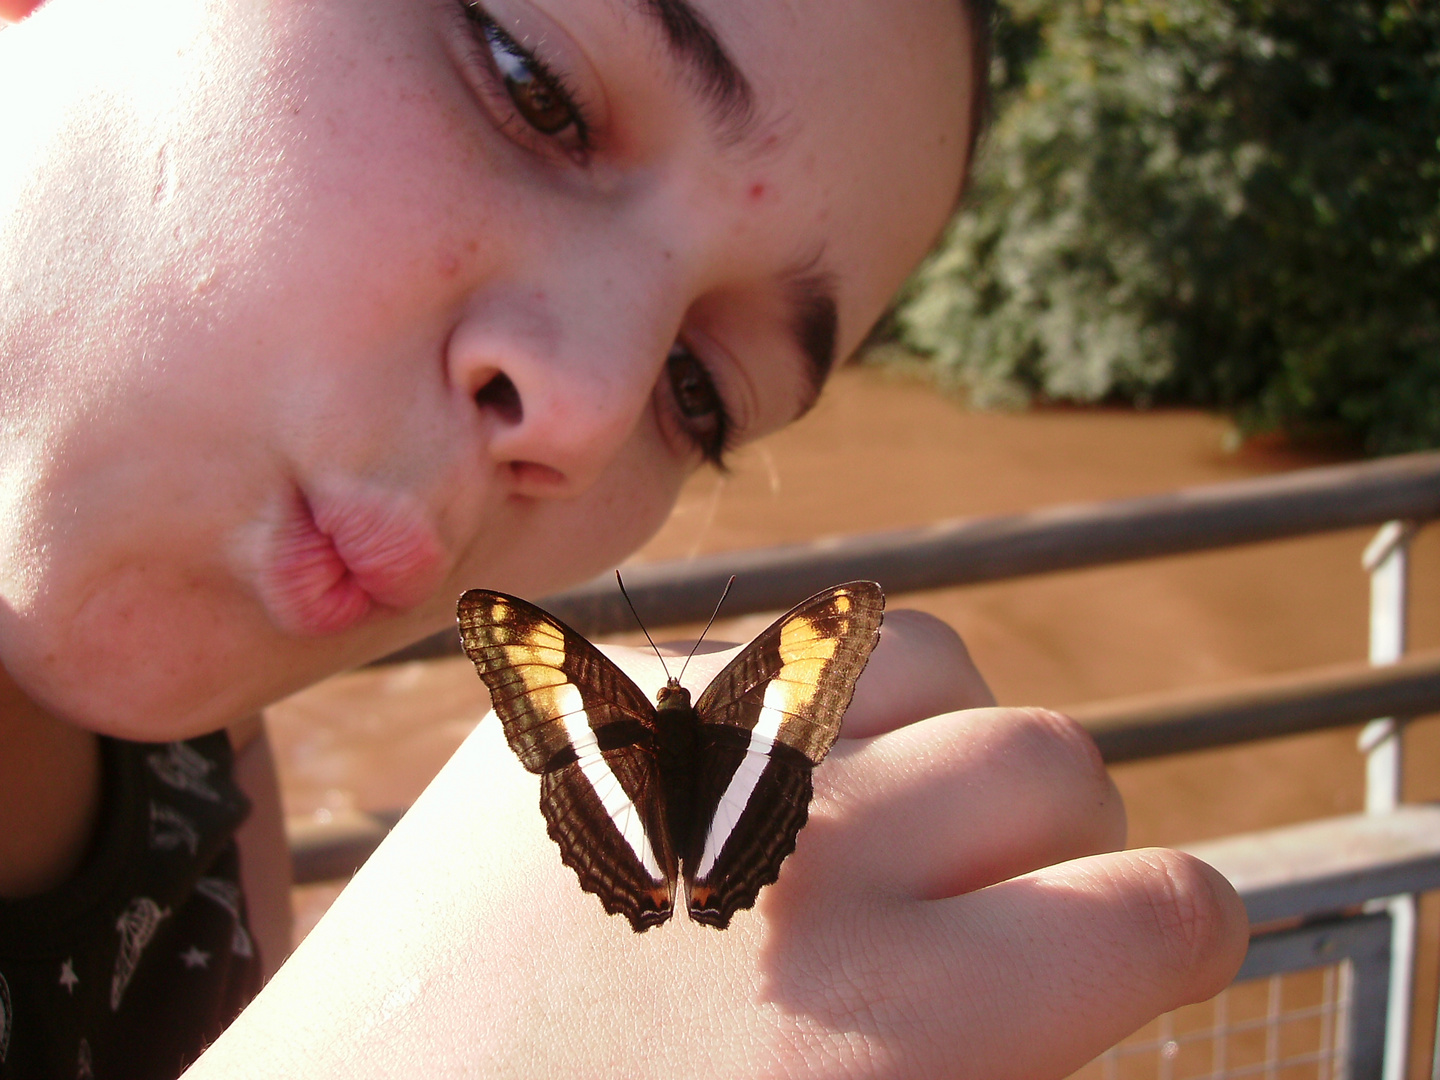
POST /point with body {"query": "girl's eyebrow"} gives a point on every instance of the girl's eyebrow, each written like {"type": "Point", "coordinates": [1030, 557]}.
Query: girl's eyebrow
{"type": "Point", "coordinates": [696, 47]}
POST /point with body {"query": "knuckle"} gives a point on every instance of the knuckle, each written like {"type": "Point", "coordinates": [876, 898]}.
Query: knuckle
{"type": "Point", "coordinates": [920, 626]}
{"type": "Point", "coordinates": [936, 657]}
{"type": "Point", "coordinates": [1068, 744]}
{"type": "Point", "coordinates": [1051, 763]}
{"type": "Point", "coordinates": [1083, 787]}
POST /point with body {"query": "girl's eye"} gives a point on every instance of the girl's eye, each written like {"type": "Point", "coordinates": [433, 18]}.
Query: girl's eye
{"type": "Point", "coordinates": [702, 411]}
{"type": "Point", "coordinates": [531, 91]}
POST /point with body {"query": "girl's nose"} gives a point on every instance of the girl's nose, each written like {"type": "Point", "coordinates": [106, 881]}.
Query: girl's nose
{"type": "Point", "coordinates": [555, 398]}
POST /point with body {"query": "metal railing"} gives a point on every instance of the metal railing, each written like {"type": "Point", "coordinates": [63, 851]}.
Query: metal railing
{"type": "Point", "coordinates": [1393, 852]}
{"type": "Point", "coordinates": [967, 552]}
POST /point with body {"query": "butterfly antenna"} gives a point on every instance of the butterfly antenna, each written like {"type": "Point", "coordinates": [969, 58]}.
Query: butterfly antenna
{"type": "Point", "coordinates": [707, 625]}
{"type": "Point", "coordinates": [621, 582]}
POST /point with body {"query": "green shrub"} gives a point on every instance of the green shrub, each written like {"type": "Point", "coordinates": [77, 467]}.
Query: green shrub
{"type": "Point", "coordinates": [1234, 203]}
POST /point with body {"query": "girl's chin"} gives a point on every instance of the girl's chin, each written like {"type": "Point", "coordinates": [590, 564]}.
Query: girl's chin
{"type": "Point", "coordinates": [141, 711]}
{"type": "Point", "coordinates": [201, 667]}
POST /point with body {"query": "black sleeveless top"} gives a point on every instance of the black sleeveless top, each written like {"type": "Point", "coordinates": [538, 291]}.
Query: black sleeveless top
{"type": "Point", "coordinates": [130, 969]}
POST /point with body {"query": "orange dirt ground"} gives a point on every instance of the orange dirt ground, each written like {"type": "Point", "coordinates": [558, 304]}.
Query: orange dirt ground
{"type": "Point", "coordinates": [883, 452]}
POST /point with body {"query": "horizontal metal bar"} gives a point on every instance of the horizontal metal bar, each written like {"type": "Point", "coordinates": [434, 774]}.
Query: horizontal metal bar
{"type": "Point", "coordinates": [1172, 723]}
{"type": "Point", "coordinates": [329, 846]}
{"type": "Point", "coordinates": [1315, 944]}
{"type": "Point", "coordinates": [992, 549]}
{"type": "Point", "coordinates": [1330, 865]}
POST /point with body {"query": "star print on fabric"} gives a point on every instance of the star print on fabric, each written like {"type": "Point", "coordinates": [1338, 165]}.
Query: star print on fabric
{"type": "Point", "coordinates": [68, 978]}
{"type": "Point", "coordinates": [195, 957]}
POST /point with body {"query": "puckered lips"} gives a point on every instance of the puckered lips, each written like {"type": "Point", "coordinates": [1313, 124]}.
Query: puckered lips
{"type": "Point", "coordinates": [334, 560]}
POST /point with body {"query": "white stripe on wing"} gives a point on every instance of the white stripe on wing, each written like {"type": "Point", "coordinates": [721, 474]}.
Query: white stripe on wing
{"type": "Point", "coordinates": [747, 775]}
{"type": "Point", "coordinates": [603, 779]}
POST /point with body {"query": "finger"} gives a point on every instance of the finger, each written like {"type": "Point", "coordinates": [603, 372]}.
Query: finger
{"type": "Point", "coordinates": [1148, 930]}
{"type": "Point", "coordinates": [919, 668]}
{"type": "Point", "coordinates": [963, 800]}
{"type": "Point", "coordinates": [1042, 972]}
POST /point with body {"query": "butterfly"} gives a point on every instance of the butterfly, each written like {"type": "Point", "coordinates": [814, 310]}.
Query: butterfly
{"type": "Point", "coordinates": [642, 797]}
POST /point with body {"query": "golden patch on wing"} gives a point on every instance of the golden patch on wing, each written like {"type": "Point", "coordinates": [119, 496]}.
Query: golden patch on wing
{"type": "Point", "coordinates": [555, 701]}
{"type": "Point", "coordinates": [530, 654]}
{"type": "Point", "coordinates": [504, 626]}
{"type": "Point", "coordinates": [802, 640]}
{"type": "Point", "coordinates": [792, 692]}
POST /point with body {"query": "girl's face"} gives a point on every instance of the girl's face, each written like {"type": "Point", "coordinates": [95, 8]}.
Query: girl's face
{"type": "Point", "coordinates": [313, 314]}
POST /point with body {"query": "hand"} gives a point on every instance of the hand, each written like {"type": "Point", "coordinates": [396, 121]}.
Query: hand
{"type": "Point", "coordinates": [956, 906]}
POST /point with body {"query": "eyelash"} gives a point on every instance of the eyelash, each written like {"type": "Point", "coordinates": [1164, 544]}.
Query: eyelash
{"type": "Point", "coordinates": [712, 430]}
{"type": "Point", "coordinates": [502, 88]}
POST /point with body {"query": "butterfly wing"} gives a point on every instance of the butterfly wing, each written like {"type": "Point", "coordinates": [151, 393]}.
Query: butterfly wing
{"type": "Point", "coordinates": [576, 719]}
{"type": "Point", "coordinates": [767, 720]}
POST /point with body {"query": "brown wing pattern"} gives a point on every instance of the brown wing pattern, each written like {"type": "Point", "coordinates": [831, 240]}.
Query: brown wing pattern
{"type": "Point", "coordinates": [767, 720]}
{"type": "Point", "coordinates": [610, 857]}
{"type": "Point", "coordinates": [760, 838]}
{"type": "Point", "coordinates": [578, 720]}
{"type": "Point", "coordinates": [804, 666]}
{"type": "Point", "coordinates": [538, 670]}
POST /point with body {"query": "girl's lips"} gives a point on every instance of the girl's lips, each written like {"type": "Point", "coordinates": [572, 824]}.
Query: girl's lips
{"type": "Point", "coordinates": [336, 559]}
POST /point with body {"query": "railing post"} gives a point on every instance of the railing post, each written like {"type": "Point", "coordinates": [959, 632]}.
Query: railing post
{"type": "Point", "coordinates": [1387, 560]}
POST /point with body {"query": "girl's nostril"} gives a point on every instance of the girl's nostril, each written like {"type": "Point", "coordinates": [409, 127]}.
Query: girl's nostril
{"type": "Point", "coordinates": [500, 394]}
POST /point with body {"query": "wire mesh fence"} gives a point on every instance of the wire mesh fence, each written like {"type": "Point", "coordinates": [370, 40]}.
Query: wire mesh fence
{"type": "Point", "coordinates": [1285, 1027]}
{"type": "Point", "coordinates": [1316, 1012]}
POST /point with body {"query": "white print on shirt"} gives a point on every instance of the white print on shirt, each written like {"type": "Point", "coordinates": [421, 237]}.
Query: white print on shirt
{"type": "Point", "coordinates": [195, 957]}
{"type": "Point", "coordinates": [136, 927]}
{"type": "Point", "coordinates": [170, 829]}
{"type": "Point", "coordinates": [184, 768]}
{"type": "Point", "coordinates": [227, 895]}
{"type": "Point", "coordinates": [84, 1067]}
{"type": "Point", "coordinates": [68, 978]}
{"type": "Point", "coordinates": [5, 1016]}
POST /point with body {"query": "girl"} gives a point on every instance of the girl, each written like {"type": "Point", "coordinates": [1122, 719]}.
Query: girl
{"type": "Point", "coordinates": [314, 313]}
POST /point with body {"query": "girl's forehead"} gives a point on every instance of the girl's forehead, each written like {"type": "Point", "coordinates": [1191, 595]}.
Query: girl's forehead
{"type": "Point", "coordinates": [853, 115]}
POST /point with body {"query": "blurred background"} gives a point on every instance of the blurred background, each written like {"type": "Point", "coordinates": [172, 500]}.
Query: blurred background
{"type": "Point", "coordinates": [1224, 203]}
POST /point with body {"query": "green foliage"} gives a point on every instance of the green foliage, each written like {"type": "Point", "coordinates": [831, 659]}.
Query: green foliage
{"type": "Point", "coordinates": [1234, 203]}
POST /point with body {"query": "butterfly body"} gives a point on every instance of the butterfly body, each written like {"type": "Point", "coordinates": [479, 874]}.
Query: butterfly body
{"type": "Point", "coordinates": [642, 799]}
{"type": "Point", "coordinates": [677, 753]}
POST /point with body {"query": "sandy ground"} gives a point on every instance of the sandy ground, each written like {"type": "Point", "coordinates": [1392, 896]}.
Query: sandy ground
{"type": "Point", "coordinates": [881, 452]}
